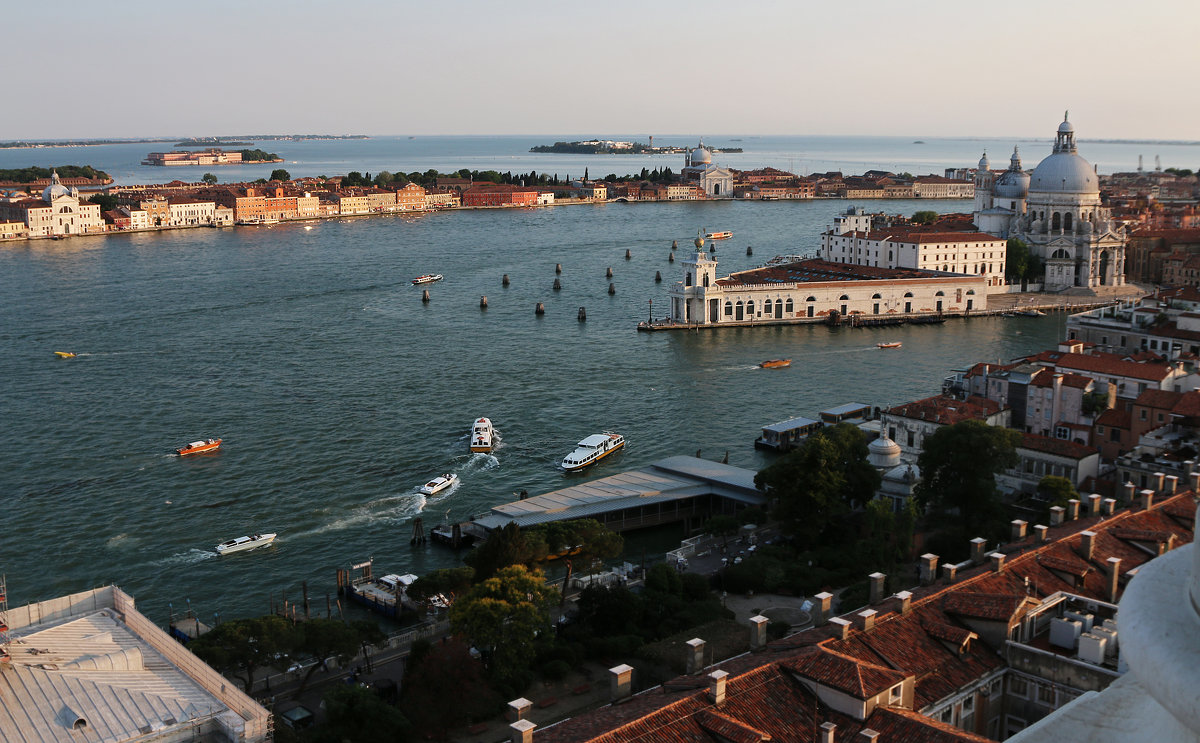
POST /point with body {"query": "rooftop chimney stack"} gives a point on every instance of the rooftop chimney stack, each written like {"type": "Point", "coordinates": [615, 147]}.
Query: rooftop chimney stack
{"type": "Point", "coordinates": [1108, 506]}
{"type": "Point", "coordinates": [695, 655]}
{"type": "Point", "coordinates": [841, 627]}
{"type": "Point", "coordinates": [1094, 504]}
{"type": "Point", "coordinates": [1156, 481]}
{"type": "Point", "coordinates": [1087, 544]}
{"type": "Point", "coordinates": [949, 572]}
{"type": "Point", "coordinates": [518, 709]}
{"type": "Point", "coordinates": [929, 563]}
{"type": "Point", "coordinates": [905, 599]}
{"type": "Point", "coordinates": [824, 608]}
{"type": "Point", "coordinates": [1114, 578]}
{"type": "Point", "coordinates": [1194, 481]}
{"type": "Point", "coordinates": [1041, 533]}
{"type": "Point", "coordinates": [827, 731]}
{"type": "Point", "coordinates": [867, 735]}
{"type": "Point", "coordinates": [1129, 489]}
{"type": "Point", "coordinates": [716, 687]}
{"type": "Point", "coordinates": [877, 581]}
{"type": "Point", "coordinates": [1018, 529]}
{"type": "Point", "coordinates": [758, 632]}
{"type": "Point", "coordinates": [997, 559]}
{"type": "Point", "coordinates": [621, 681]}
{"type": "Point", "coordinates": [1146, 499]}
{"type": "Point", "coordinates": [867, 619]}
{"type": "Point", "coordinates": [1056, 515]}
{"type": "Point", "coordinates": [1172, 485]}
{"type": "Point", "coordinates": [1073, 509]}
{"type": "Point", "coordinates": [978, 548]}
{"type": "Point", "coordinates": [522, 731]}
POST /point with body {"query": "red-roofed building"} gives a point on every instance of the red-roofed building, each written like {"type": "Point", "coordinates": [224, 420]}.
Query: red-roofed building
{"type": "Point", "coordinates": [496, 194]}
{"type": "Point", "coordinates": [973, 253]}
{"type": "Point", "coordinates": [1043, 456]}
{"type": "Point", "coordinates": [909, 424]}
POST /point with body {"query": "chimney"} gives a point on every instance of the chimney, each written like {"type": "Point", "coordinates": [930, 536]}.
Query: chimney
{"type": "Point", "coordinates": [1108, 506]}
{"type": "Point", "coordinates": [867, 735]}
{"type": "Point", "coordinates": [716, 687]}
{"type": "Point", "coordinates": [1018, 529]}
{"type": "Point", "coordinates": [841, 627]}
{"type": "Point", "coordinates": [1114, 578]}
{"type": "Point", "coordinates": [758, 632]}
{"type": "Point", "coordinates": [877, 581]}
{"type": "Point", "coordinates": [1073, 509]}
{"type": "Point", "coordinates": [695, 656]}
{"type": "Point", "coordinates": [522, 731]}
{"type": "Point", "coordinates": [905, 598]}
{"type": "Point", "coordinates": [997, 562]}
{"type": "Point", "coordinates": [1129, 489]}
{"type": "Point", "coordinates": [1146, 499]}
{"type": "Point", "coordinates": [1194, 480]}
{"type": "Point", "coordinates": [949, 572]}
{"type": "Point", "coordinates": [827, 731]}
{"type": "Point", "coordinates": [621, 681]}
{"type": "Point", "coordinates": [978, 547]}
{"type": "Point", "coordinates": [518, 709]}
{"type": "Point", "coordinates": [1171, 485]}
{"type": "Point", "coordinates": [824, 607]}
{"type": "Point", "coordinates": [1094, 504]}
{"type": "Point", "coordinates": [929, 563]}
{"type": "Point", "coordinates": [867, 619]}
{"type": "Point", "coordinates": [1087, 544]}
{"type": "Point", "coordinates": [1041, 533]}
{"type": "Point", "coordinates": [1056, 515]}
{"type": "Point", "coordinates": [1156, 482]}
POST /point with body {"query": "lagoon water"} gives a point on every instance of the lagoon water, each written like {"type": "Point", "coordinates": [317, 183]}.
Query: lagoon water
{"type": "Point", "coordinates": [338, 392]}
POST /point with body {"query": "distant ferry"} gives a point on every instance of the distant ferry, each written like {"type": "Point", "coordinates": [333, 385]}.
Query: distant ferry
{"type": "Point", "coordinates": [592, 450]}
{"type": "Point", "coordinates": [428, 278]}
{"type": "Point", "coordinates": [482, 436]}
{"type": "Point", "coordinates": [725, 235]}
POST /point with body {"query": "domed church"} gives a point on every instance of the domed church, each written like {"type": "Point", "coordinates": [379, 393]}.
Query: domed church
{"type": "Point", "coordinates": [1057, 212]}
{"type": "Point", "coordinates": [715, 181]}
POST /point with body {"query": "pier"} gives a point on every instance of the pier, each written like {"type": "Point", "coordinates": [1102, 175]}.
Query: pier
{"type": "Point", "coordinates": [675, 489]}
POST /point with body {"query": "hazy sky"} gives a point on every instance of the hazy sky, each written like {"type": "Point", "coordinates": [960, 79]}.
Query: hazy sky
{"type": "Point", "coordinates": [924, 67]}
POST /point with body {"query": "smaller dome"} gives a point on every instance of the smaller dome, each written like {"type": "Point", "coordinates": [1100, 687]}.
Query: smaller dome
{"type": "Point", "coordinates": [701, 156]}
{"type": "Point", "coordinates": [55, 190]}
{"type": "Point", "coordinates": [1066, 128]}
{"type": "Point", "coordinates": [883, 452]}
{"type": "Point", "coordinates": [984, 164]}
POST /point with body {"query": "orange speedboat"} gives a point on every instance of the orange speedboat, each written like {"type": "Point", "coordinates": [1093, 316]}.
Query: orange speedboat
{"type": "Point", "coordinates": [776, 363]}
{"type": "Point", "coordinates": [199, 447]}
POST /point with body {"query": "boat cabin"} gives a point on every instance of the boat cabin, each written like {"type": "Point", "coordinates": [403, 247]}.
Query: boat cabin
{"type": "Point", "coordinates": [786, 435]}
{"type": "Point", "coordinates": [852, 411]}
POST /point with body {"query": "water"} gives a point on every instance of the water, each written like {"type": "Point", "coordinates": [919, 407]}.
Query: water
{"type": "Point", "coordinates": [338, 392]}
{"type": "Point", "coordinates": [797, 154]}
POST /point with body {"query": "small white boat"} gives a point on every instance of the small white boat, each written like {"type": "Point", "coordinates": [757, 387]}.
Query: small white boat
{"type": "Point", "coordinates": [482, 436]}
{"type": "Point", "coordinates": [241, 544]}
{"type": "Point", "coordinates": [890, 344]}
{"type": "Point", "coordinates": [592, 450]}
{"type": "Point", "coordinates": [428, 278]}
{"type": "Point", "coordinates": [439, 483]}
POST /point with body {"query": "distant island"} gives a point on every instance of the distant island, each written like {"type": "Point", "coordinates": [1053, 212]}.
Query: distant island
{"type": "Point", "coordinates": [610, 147]}
{"type": "Point", "coordinates": [240, 139]}
{"type": "Point", "coordinates": [211, 156]}
{"type": "Point", "coordinates": [34, 174]}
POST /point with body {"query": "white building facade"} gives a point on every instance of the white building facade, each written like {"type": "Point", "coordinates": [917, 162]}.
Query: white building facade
{"type": "Point", "coordinates": [974, 253]}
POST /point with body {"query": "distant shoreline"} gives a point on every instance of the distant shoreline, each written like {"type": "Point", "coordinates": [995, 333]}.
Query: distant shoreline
{"type": "Point", "coordinates": [184, 142]}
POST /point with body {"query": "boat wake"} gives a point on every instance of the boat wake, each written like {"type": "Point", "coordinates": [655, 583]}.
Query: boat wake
{"type": "Point", "coordinates": [480, 462]}
{"type": "Point", "coordinates": [391, 508]}
{"type": "Point", "coordinates": [120, 541]}
{"type": "Point", "coordinates": [190, 557]}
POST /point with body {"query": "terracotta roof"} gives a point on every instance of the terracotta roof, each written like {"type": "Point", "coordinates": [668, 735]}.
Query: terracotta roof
{"type": "Point", "coordinates": [1113, 367]}
{"type": "Point", "coordinates": [1141, 535]}
{"type": "Point", "coordinates": [1065, 564]}
{"type": "Point", "coordinates": [1056, 447]}
{"type": "Point", "coordinates": [727, 728]}
{"type": "Point", "coordinates": [946, 409]}
{"type": "Point", "coordinates": [815, 270]}
{"type": "Point", "coordinates": [1164, 399]}
{"type": "Point", "coordinates": [999, 607]}
{"type": "Point", "coordinates": [859, 679]}
{"type": "Point", "coordinates": [897, 725]}
{"type": "Point", "coordinates": [1115, 417]}
{"type": "Point", "coordinates": [949, 632]}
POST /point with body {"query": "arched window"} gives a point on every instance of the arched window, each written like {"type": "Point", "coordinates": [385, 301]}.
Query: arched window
{"type": "Point", "coordinates": [750, 307]}
{"type": "Point", "coordinates": [687, 281]}
{"type": "Point", "coordinates": [971, 292]}
{"type": "Point", "coordinates": [843, 298]}
{"type": "Point", "coordinates": [907, 295]}
{"type": "Point", "coordinates": [788, 307]}
{"type": "Point", "coordinates": [810, 299]}
{"type": "Point", "coordinates": [876, 296]}
{"type": "Point", "coordinates": [1067, 221]}
{"type": "Point", "coordinates": [728, 308]}
{"type": "Point", "coordinates": [1056, 221]}
{"type": "Point", "coordinates": [939, 294]}
{"type": "Point", "coordinates": [767, 306]}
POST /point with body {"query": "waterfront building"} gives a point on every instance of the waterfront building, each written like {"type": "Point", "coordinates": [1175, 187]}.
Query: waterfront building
{"type": "Point", "coordinates": [211, 156]}
{"type": "Point", "coordinates": [380, 200]}
{"type": "Point", "coordinates": [352, 202]}
{"type": "Point", "coordinates": [442, 198]}
{"type": "Point", "coordinates": [499, 194]}
{"type": "Point", "coordinates": [10, 230]}
{"type": "Point", "coordinates": [815, 290]}
{"type": "Point", "coordinates": [679, 191]}
{"type": "Point", "coordinates": [908, 425]}
{"type": "Point", "coordinates": [1042, 400]}
{"type": "Point", "coordinates": [937, 187]}
{"type": "Point", "coordinates": [59, 211]}
{"type": "Point", "coordinates": [713, 181]}
{"type": "Point", "coordinates": [974, 253]}
{"type": "Point", "coordinates": [1058, 213]}
{"type": "Point", "coordinates": [765, 175]}
{"type": "Point", "coordinates": [138, 219]}
{"type": "Point", "coordinates": [307, 205]}
{"type": "Point", "coordinates": [190, 213]}
{"type": "Point", "coordinates": [91, 667]}
{"type": "Point", "coordinates": [983, 650]}
{"type": "Point", "coordinates": [410, 198]}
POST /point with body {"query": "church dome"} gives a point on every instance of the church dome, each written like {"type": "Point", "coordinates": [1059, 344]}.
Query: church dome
{"type": "Point", "coordinates": [1014, 182]}
{"type": "Point", "coordinates": [983, 163]}
{"type": "Point", "coordinates": [55, 190]}
{"type": "Point", "coordinates": [883, 452]}
{"type": "Point", "coordinates": [1064, 171]}
{"type": "Point", "coordinates": [701, 156]}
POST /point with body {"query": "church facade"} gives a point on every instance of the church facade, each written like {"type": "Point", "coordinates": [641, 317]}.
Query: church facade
{"type": "Point", "coordinates": [58, 212]}
{"type": "Point", "coordinates": [715, 181]}
{"type": "Point", "coordinates": [1057, 211]}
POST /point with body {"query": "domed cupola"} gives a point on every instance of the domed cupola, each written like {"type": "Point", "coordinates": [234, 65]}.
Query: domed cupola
{"type": "Point", "coordinates": [984, 163]}
{"type": "Point", "coordinates": [701, 155]}
{"type": "Point", "coordinates": [883, 453]}
{"type": "Point", "coordinates": [1014, 182]}
{"type": "Point", "coordinates": [1064, 171]}
{"type": "Point", "coordinates": [55, 190]}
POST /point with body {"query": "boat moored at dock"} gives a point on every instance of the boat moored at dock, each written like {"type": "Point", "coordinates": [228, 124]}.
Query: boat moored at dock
{"type": "Point", "coordinates": [242, 544]}
{"type": "Point", "coordinates": [482, 436]}
{"type": "Point", "coordinates": [199, 447]}
{"type": "Point", "coordinates": [592, 450]}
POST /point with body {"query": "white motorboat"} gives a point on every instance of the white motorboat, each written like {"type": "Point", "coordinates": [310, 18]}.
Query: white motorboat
{"type": "Point", "coordinates": [482, 435]}
{"type": "Point", "coordinates": [428, 278]}
{"type": "Point", "coordinates": [241, 544]}
{"type": "Point", "coordinates": [592, 450]}
{"type": "Point", "coordinates": [439, 483]}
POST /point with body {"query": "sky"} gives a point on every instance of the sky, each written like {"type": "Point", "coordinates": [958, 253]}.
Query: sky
{"type": "Point", "coordinates": [936, 68]}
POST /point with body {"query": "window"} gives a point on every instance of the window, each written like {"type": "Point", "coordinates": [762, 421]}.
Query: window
{"type": "Point", "coordinates": [910, 438]}
{"type": "Point", "coordinates": [895, 695]}
{"type": "Point", "coordinates": [1018, 687]}
{"type": "Point", "coordinates": [1045, 694]}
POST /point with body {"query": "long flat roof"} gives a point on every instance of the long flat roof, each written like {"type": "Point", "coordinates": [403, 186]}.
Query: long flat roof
{"type": "Point", "coordinates": [790, 423]}
{"type": "Point", "coordinates": [674, 478]}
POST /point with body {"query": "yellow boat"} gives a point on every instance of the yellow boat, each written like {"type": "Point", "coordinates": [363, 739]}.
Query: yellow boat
{"type": "Point", "coordinates": [64, 354]}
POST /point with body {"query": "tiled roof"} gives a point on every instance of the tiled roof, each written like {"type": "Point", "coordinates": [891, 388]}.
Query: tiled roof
{"type": "Point", "coordinates": [1056, 447]}
{"type": "Point", "coordinates": [1115, 417]}
{"type": "Point", "coordinates": [999, 607]}
{"type": "Point", "coordinates": [947, 409]}
{"type": "Point", "coordinates": [1065, 564]}
{"type": "Point", "coordinates": [816, 271]}
{"type": "Point", "coordinates": [1114, 367]}
{"type": "Point", "coordinates": [725, 727]}
{"type": "Point", "coordinates": [897, 725]}
{"type": "Point", "coordinates": [857, 678]}
{"type": "Point", "coordinates": [949, 632]}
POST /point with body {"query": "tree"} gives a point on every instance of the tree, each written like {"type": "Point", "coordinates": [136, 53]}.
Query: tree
{"type": "Point", "coordinates": [958, 469]}
{"type": "Point", "coordinates": [722, 526]}
{"type": "Point", "coordinates": [245, 645]}
{"type": "Point", "coordinates": [209, 178]}
{"type": "Point", "coordinates": [1055, 490]}
{"type": "Point", "coordinates": [445, 689]}
{"type": "Point", "coordinates": [106, 201]}
{"type": "Point", "coordinates": [383, 177]}
{"type": "Point", "coordinates": [503, 547]}
{"type": "Point", "coordinates": [324, 639]}
{"type": "Point", "coordinates": [355, 714]}
{"type": "Point", "coordinates": [924, 217]}
{"type": "Point", "coordinates": [279, 174]}
{"type": "Point", "coordinates": [503, 616]}
{"type": "Point", "coordinates": [819, 483]}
